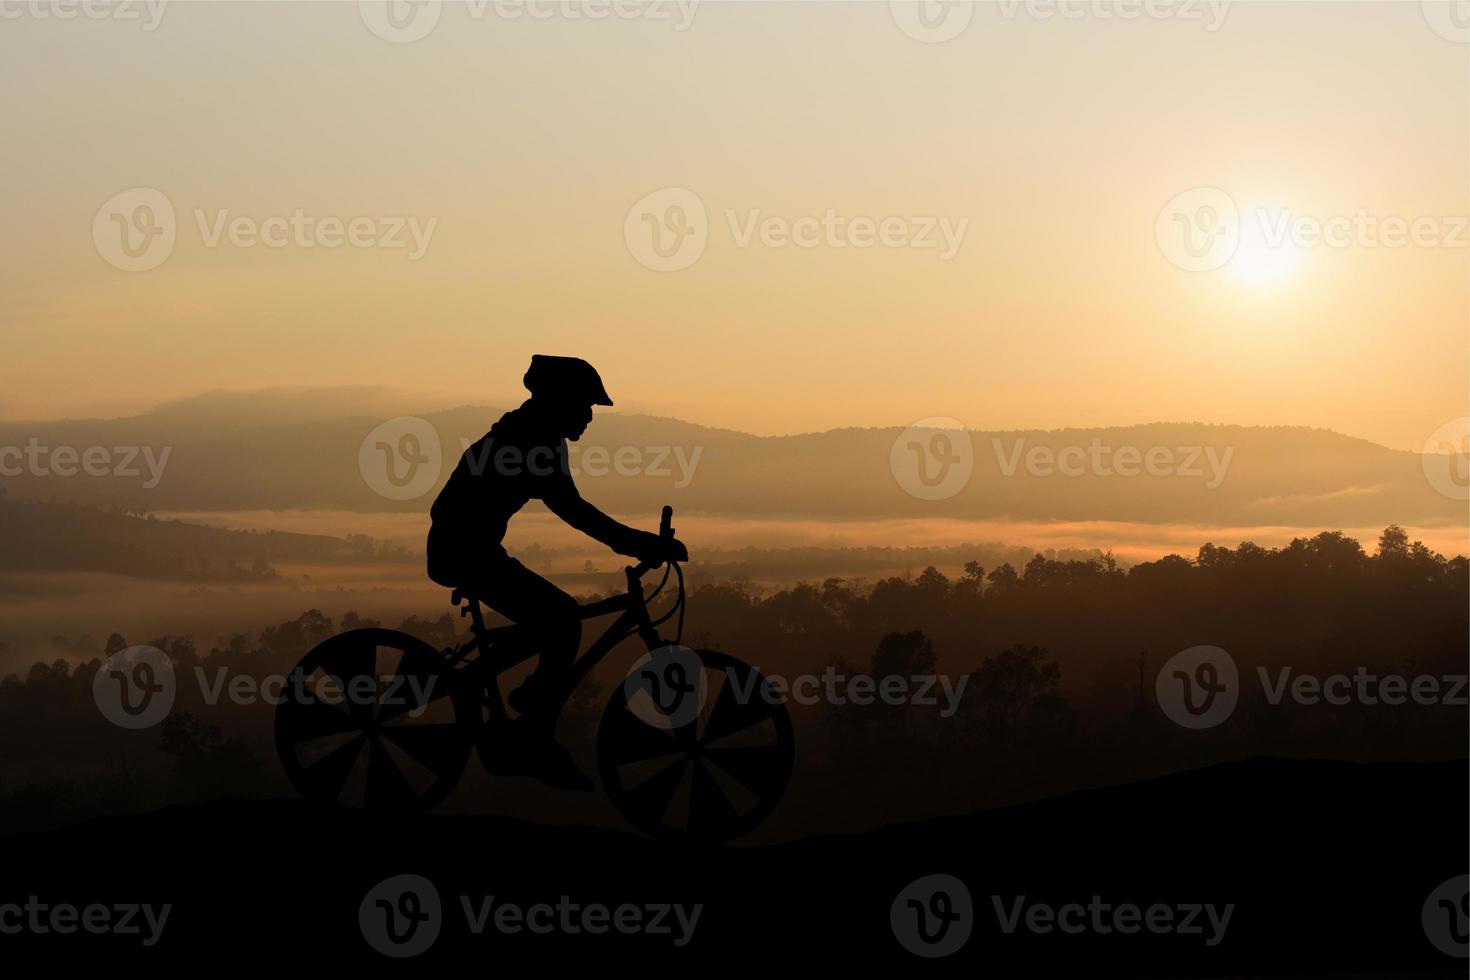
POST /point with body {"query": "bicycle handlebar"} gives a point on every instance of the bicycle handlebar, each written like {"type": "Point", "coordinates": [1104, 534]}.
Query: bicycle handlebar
{"type": "Point", "coordinates": [635, 574]}
{"type": "Point", "coordinates": [666, 534]}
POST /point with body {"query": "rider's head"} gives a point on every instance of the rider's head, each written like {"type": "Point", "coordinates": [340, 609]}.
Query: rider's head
{"type": "Point", "coordinates": [565, 389]}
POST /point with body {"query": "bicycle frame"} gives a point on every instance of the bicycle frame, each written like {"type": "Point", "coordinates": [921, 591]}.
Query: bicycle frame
{"type": "Point", "coordinates": [634, 618]}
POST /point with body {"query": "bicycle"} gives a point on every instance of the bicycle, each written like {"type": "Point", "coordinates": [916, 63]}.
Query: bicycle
{"type": "Point", "coordinates": [692, 746]}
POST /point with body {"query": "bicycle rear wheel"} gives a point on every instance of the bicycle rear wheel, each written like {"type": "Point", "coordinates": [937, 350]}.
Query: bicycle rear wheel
{"type": "Point", "coordinates": [374, 718]}
{"type": "Point", "coordinates": [701, 777]}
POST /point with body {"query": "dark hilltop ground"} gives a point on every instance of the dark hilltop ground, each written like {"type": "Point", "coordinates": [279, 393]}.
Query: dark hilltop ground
{"type": "Point", "coordinates": [1328, 866]}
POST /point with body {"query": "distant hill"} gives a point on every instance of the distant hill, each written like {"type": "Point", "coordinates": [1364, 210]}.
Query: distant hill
{"type": "Point", "coordinates": [56, 536]}
{"type": "Point", "coordinates": [270, 451]}
{"type": "Point", "coordinates": [47, 536]}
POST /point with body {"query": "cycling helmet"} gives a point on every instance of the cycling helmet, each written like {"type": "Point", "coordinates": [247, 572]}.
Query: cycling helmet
{"type": "Point", "coordinates": [565, 379]}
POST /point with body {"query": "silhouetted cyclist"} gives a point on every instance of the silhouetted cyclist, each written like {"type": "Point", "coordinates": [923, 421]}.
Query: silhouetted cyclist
{"type": "Point", "coordinates": [524, 457]}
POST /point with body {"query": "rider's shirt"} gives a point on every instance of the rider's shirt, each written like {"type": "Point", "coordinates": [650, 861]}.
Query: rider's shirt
{"type": "Point", "coordinates": [519, 459]}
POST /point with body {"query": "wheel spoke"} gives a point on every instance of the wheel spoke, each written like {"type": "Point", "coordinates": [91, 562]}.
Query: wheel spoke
{"type": "Point", "coordinates": [387, 789]}
{"type": "Point", "coordinates": [710, 810]}
{"type": "Point", "coordinates": [730, 714]}
{"type": "Point", "coordinates": [438, 748]}
{"type": "Point", "coordinates": [631, 739]}
{"type": "Point", "coordinates": [326, 777]}
{"type": "Point", "coordinates": [415, 691]}
{"type": "Point", "coordinates": [311, 719]}
{"type": "Point", "coordinates": [759, 769]}
{"type": "Point", "coordinates": [345, 665]}
{"type": "Point", "coordinates": [651, 797]}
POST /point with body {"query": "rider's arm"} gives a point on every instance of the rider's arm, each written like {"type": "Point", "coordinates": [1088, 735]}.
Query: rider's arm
{"type": "Point", "coordinates": [565, 502]}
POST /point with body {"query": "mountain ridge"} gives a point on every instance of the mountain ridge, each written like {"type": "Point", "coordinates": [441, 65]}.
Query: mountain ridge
{"type": "Point", "coordinates": [1216, 474]}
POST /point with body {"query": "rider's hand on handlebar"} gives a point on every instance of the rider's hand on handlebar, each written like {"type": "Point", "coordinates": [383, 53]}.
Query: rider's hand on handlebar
{"type": "Point", "coordinates": [655, 550]}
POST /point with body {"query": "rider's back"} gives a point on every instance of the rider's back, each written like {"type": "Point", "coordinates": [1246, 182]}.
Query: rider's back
{"type": "Point", "coordinates": [521, 458]}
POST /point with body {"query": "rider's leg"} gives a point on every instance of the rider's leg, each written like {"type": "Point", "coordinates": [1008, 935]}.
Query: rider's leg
{"type": "Point", "coordinates": [551, 619]}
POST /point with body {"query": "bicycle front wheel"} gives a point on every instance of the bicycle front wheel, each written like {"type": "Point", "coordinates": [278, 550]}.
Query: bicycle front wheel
{"type": "Point", "coordinates": [705, 776]}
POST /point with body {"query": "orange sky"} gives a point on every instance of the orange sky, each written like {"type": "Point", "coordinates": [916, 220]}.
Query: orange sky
{"type": "Point", "coordinates": [518, 148]}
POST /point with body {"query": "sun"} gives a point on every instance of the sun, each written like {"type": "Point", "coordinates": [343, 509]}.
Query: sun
{"type": "Point", "coordinates": [1260, 260]}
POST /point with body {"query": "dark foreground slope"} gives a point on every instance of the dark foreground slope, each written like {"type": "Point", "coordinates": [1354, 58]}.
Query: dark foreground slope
{"type": "Point", "coordinates": [1328, 866]}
